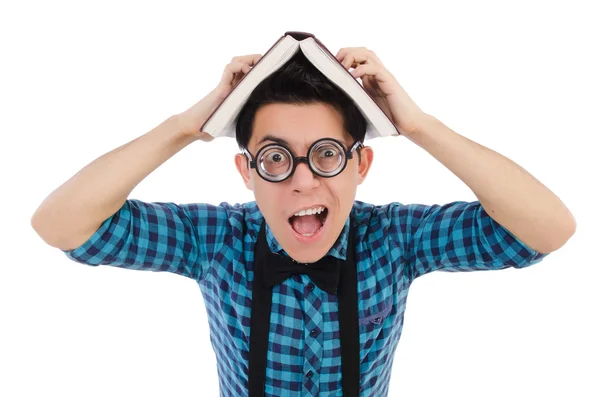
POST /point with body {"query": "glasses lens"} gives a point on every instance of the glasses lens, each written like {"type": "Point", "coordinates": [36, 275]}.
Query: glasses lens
{"type": "Point", "coordinates": [327, 157]}
{"type": "Point", "coordinates": [275, 162]}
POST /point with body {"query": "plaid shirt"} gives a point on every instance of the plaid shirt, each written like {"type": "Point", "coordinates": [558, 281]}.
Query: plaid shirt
{"type": "Point", "coordinates": [214, 245]}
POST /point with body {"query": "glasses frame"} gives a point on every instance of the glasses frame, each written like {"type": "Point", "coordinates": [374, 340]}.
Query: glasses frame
{"type": "Point", "coordinates": [357, 145]}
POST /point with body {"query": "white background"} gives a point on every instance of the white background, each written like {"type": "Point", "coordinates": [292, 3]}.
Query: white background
{"type": "Point", "coordinates": [80, 79]}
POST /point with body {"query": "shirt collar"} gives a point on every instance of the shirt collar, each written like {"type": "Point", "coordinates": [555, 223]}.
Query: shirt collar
{"type": "Point", "coordinates": [338, 249]}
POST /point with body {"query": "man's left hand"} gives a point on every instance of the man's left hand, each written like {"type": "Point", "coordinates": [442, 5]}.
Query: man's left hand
{"type": "Point", "coordinates": [383, 87]}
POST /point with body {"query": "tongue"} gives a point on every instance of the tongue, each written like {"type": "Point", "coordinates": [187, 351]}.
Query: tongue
{"type": "Point", "coordinates": [307, 224]}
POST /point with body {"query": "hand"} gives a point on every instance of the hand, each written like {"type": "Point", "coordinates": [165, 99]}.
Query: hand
{"type": "Point", "coordinates": [383, 87]}
{"type": "Point", "coordinates": [192, 119]}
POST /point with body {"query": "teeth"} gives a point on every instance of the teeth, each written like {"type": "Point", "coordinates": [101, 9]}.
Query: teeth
{"type": "Point", "coordinates": [310, 211]}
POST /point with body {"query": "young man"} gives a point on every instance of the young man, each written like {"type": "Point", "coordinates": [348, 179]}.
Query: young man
{"type": "Point", "coordinates": [305, 287]}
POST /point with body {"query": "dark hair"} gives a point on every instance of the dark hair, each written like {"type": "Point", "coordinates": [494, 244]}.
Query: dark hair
{"type": "Point", "coordinates": [299, 82]}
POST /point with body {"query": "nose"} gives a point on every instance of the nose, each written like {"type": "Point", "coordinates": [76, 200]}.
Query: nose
{"type": "Point", "coordinates": [303, 179]}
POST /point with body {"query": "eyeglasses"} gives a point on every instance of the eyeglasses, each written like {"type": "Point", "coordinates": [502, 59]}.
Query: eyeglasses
{"type": "Point", "coordinates": [326, 157]}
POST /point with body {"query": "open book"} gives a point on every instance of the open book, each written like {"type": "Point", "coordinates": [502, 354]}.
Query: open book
{"type": "Point", "coordinates": [222, 121]}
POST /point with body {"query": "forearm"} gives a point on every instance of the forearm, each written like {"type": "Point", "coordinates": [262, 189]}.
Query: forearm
{"type": "Point", "coordinates": [76, 209]}
{"type": "Point", "coordinates": [507, 192]}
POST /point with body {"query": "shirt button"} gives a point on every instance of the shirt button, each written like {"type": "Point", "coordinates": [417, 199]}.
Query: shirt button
{"type": "Point", "coordinates": [309, 374]}
{"type": "Point", "coordinates": [311, 286]}
{"type": "Point", "coordinates": [313, 332]}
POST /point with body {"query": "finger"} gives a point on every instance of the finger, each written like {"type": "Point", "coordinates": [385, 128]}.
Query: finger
{"type": "Point", "coordinates": [232, 69]}
{"type": "Point", "coordinates": [341, 54]}
{"type": "Point", "coordinates": [366, 70]}
{"type": "Point", "coordinates": [355, 59]}
{"type": "Point", "coordinates": [348, 61]}
{"type": "Point", "coordinates": [374, 58]}
{"type": "Point", "coordinates": [255, 58]}
{"type": "Point", "coordinates": [362, 56]}
{"type": "Point", "coordinates": [251, 59]}
{"type": "Point", "coordinates": [237, 67]}
{"type": "Point", "coordinates": [343, 51]}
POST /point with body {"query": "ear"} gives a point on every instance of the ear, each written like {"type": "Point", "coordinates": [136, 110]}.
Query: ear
{"type": "Point", "coordinates": [366, 159]}
{"type": "Point", "coordinates": [241, 163]}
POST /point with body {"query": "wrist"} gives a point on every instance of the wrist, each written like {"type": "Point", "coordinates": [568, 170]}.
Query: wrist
{"type": "Point", "coordinates": [179, 128]}
{"type": "Point", "coordinates": [423, 123]}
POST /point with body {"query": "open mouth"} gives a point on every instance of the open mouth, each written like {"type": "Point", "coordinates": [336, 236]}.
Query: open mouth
{"type": "Point", "coordinates": [308, 223]}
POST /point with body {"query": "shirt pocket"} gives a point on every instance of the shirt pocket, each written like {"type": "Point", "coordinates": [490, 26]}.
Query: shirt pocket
{"type": "Point", "coordinates": [374, 327]}
{"type": "Point", "coordinates": [377, 317]}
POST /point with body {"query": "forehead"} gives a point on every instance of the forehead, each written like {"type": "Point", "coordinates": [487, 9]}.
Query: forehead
{"type": "Point", "coordinates": [298, 125]}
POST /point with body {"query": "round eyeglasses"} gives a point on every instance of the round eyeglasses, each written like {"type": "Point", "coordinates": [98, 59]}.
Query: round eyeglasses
{"type": "Point", "coordinates": [326, 157]}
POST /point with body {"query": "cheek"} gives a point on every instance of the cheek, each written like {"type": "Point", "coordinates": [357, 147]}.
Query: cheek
{"type": "Point", "coordinates": [350, 178]}
{"type": "Point", "coordinates": [268, 196]}
{"type": "Point", "coordinates": [343, 189]}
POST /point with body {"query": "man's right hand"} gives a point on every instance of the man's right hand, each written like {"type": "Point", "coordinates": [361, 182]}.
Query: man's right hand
{"type": "Point", "coordinates": [192, 119]}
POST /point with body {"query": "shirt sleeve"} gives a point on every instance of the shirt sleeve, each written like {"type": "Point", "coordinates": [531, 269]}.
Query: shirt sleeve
{"type": "Point", "coordinates": [176, 238]}
{"type": "Point", "coordinates": [458, 236]}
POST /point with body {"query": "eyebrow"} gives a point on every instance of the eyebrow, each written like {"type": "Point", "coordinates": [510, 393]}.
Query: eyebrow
{"type": "Point", "coordinates": [274, 139]}
{"type": "Point", "coordinates": [277, 140]}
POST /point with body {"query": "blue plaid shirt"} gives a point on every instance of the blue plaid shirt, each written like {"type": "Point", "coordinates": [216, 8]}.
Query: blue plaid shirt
{"type": "Point", "coordinates": [214, 245]}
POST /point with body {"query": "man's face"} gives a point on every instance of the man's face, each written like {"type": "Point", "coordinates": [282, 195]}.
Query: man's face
{"type": "Point", "coordinates": [305, 240]}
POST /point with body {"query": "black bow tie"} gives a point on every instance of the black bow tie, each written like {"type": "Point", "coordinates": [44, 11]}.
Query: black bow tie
{"type": "Point", "coordinates": [325, 273]}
